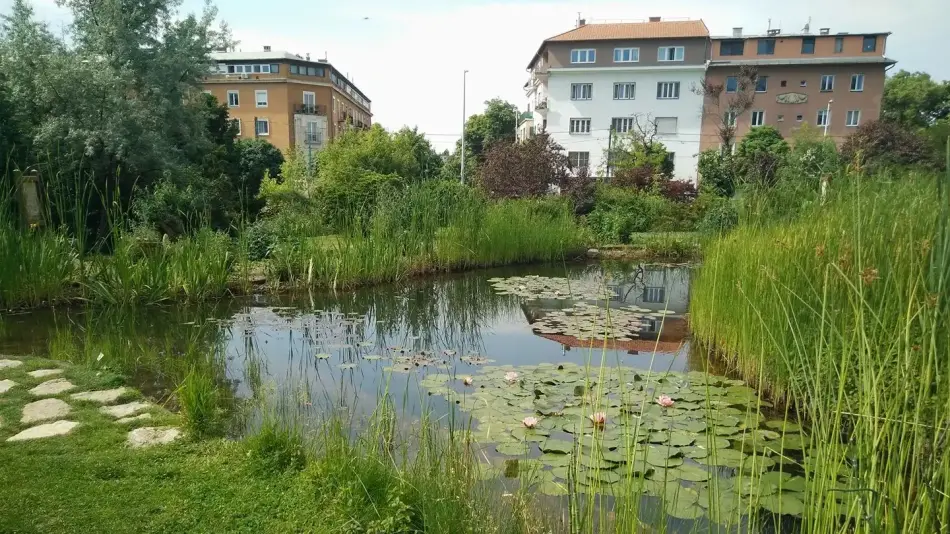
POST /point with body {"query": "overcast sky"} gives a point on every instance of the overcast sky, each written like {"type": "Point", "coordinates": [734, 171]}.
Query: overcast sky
{"type": "Point", "coordinates": [408, 55]}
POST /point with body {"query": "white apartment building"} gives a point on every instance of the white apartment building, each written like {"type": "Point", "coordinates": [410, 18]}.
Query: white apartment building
{"type": "Point", "coordinates": [601, 80]}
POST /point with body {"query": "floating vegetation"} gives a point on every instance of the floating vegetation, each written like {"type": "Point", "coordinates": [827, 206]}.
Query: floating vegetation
{"type": "Point", "coordinates": [698, 437]}
{"type": "Point", "coordinates": [544, 287]}
{"type": "Point", "coordinates": [586, 321]}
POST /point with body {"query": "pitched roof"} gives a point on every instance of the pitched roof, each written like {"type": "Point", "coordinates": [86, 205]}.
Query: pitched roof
{"type": "Point", "coordinates": [667, 29]}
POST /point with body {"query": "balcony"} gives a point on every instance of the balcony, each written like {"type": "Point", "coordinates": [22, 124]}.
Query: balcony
{"type": "Point", "coordinates": [310, 109]}
{"type": "Point", "coordinates": [541, 106]}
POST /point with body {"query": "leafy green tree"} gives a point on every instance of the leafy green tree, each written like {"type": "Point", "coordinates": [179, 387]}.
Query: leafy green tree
{"type": "Point", "coordinates": [718, 173]}
{"type": "Point", "coordinates": [638, 158]}
{"type": "Point", "coordinates": [761, 154]}
{"type": "Point", "coordinates": [257, 158]}
{"type": "Point", "coordinates": [914, 99]}
{"type": "Point", "coordinates": [498, 123]}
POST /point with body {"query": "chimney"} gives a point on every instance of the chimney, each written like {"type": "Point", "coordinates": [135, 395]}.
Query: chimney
{"type": "Point", "coordinates": [737, 32]}
{"type": "Point", "coordinates": [267, 48]}
{"type": "Point", "coordinates": [824, 31]}
{"type": "Point", "coordinates": [654, 19]}
{"type": "Point", "coordinates": [308, 56]}
{"type": "Point", "coordinates": [581, 22]}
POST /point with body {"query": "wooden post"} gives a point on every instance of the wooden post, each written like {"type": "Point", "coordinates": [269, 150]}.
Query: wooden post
{"type": "Point", "coordinates": [28, 193]}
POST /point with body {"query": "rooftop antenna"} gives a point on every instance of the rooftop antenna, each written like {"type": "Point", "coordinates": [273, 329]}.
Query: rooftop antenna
{"type": "Point", "coordinates": [770, 24]}
{"type": "Point", "coordinates": [807, 27]}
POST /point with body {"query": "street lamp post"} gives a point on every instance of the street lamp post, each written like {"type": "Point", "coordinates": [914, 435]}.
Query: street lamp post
{"type": "Point", "coordinates": [464, 80]}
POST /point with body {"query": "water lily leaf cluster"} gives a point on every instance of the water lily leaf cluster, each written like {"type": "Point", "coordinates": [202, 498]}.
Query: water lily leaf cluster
{"type": "Point", "coordinates": [544, 287]}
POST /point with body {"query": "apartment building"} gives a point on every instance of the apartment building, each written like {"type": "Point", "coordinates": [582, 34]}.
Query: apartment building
{"type": "Point", "coordinates": [832, 81]}
{"type": "Point", "coordinates": [287, 99]}
{"type": "Point", "coordinates": [600, 80]}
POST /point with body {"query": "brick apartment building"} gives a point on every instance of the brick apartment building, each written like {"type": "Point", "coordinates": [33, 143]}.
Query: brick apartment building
{"type": "Point", "coordinates": [285, 98]}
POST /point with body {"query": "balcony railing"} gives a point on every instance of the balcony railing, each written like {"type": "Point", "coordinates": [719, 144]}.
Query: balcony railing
{"type": "Point", "coordinates": [541, 105]}
{"type": "Point", "coordinates": [308, 109]}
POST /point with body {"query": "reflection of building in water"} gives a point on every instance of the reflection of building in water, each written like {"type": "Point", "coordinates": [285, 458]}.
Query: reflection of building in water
{"type": "Point", "coordinates": [655, 288]}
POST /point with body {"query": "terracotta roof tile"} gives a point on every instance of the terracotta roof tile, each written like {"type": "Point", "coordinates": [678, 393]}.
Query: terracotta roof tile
{"type": "Point", "coordinates": [672, 29]}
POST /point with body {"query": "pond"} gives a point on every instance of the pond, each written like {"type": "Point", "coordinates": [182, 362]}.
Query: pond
{"type": "Point", "coordinates": [582, 371]}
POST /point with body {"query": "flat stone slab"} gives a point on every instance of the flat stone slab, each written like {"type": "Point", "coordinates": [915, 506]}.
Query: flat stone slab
{"type": "Point", "coordinates": [106, 396]}
{"type": "Point", "coordinates": [125, 410]}
{"type": "Point", "coordinates": [44, 410]}
{"type": "Point", "coordinates": [59, 428]}
{"type": "Point", "coordinates": [140, 417]}
{"type": "Point", "coordinates": [6, 385]}
{"type": "Point", "coordinates": [53, 387]}
{"type": "Point", "coordinates": [150, 436]}
{"type": "Point", "coordinates": [10, 364]}
{"type": "Point", "coordinates": [42, 373]}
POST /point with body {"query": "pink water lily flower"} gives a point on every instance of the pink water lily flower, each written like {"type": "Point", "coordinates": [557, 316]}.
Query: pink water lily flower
{"type": "Point", "coordinates": [598, 418]}
{"type": "Point", "coordinates": [529, 422]}
{"type": "Point", "coordinates": [664, 401]}
{"type": "Point", "coordinates": [511, 376]}
{"type": "Point", "coordinates": [467, 380]}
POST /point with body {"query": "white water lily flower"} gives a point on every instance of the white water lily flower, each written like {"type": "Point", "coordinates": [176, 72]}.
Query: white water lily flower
{"type": "Point", "coordinates": [530, 422]}
{"type": "Point", "coordinates": [467, 381]}
{"type": "Point", "coordinates": [511, 376]}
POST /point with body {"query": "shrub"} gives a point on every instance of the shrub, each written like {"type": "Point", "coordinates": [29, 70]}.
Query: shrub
{"type": "Point", "coordinates": [619, 212]}
{"type": "Point", "coordinates": [522, 170]}
{"type": "Point", "coordinates": [720, 215]}
{"type": "Point", "coordinates": [275, 448]}
{"type": "Point", "coordinates": [812, 156]}
{"type": "Point", "coordinates": [877, 145]}
{"type": "Point", "coordinates": [717, 173]}
{"type": "Point", "coordinates": [761, 154]}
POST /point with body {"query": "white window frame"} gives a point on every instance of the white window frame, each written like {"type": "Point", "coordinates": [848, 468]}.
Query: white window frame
{"type": "Point", "coordinates": [679, 53]}
{"type": "Point", "coordinates": [624, 93]}
{"type": "Point", "coordinates": [761, 113]}
{"type": "Point", "coordinates": [763, 79]}
{"type": "Point", "coordinates": [822, 118]}
{"type": "Point", "coordinates": [578, 157]}
{"type": "Point", "coordinates": [622, 124]}
{"type": "Point", "coordinates": [827, 87]}
{"type": "Point", "coordinates": [852, 114]}
{"type": "Point", "coordinates": [730, 119]}
{"type": "Point", "coordinates": [313, 98]}
{"type": "Point", "coordinates": [633, 53]}
{"type": "Point", "coordinates": [238, 122]}
{"type": "Point", "coordinates": [237, 98]}
{"type": "Point", "coordinates": [312, 133]}
{"type": "Point", "coordinates": [261, 120]}
{"type": "Point", "coordinates": [656, 122]}
{"type": "Point", "coordinates": [583, 55]}
{"type": "Point", "coordinates": [257, 98]}
{"type": "Point", "coordinates": [855, 88]}
{"type": "Point", "coordinates": [577, 91]}
{"type": "Point", "coordinates": [663, 94]}
{"type": "Point", "coordinates": [580, 126]}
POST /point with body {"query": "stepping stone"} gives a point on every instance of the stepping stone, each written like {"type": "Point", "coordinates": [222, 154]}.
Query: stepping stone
{"type": "Point", "coordinates": [125, 410]}
{"type": "Point", "coordinates": [10, 364]}
{"type": "Point", "coordinates": [59, 428]}
{"type": "Point", "coordinates": [6, 385]}
{"type": "Point", "coordinates": [41, 373]}
{"type": "Point", "coordinates": [43, 410]}
{"type": "Point", "coordinates": [140, 417]}
{"type": "Point", "coordinates": [150, 436]}
{"type": "Point", "coordinates": [52, 387]}
{"type": "Point", "coordinates": [107, 396]}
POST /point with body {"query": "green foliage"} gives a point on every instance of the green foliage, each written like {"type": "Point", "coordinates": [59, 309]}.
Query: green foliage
{"type": "Point", "coordinates": [812, 157]}
{"type": "Point", "coordinates": [915, 100]}
{"type": "Point", "coordinates": [719, 214]}
{"type": "Point", "coordinates": [638, 158]}
{"type": "Point", "coordinates": [275, 448]}
{"type": "Point", "coordinates": [257, 159]}
{"type": "Point", "coordinates": [620, 212]}
{"type": "Point", "coordinates": [718, 172]}
{"type": "Point", "coordinates": [496, 124]}
{"type": "Point", "coordinates": [199, 399]}
{"type": "Point", "coordinates": [878, 145]}
{"type": "Point", "coordinates": [760, 155]}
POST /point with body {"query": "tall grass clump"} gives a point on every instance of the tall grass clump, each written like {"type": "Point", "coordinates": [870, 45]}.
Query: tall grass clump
{"type": "Point", "coordinates": [843, 312]}
{"type": "Point", "coordinates": [200, 399]}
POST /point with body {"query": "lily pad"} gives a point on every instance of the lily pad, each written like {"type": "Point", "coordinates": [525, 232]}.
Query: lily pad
{"type": "Point", "coordinates": [785, 503]}
{"type": "Point", "coordinates": [557, 446]}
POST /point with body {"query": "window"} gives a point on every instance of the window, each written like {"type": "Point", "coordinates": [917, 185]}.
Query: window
{"type": "Point", "coordinates": [274, 68]}
{"type": "Point", "coordinates": [257, 68]}
{"type": "Point", "coordinates": [237, 125]}
{"type": "Point", "coordinates": [261, 126]}
{"type": "Point", "coordinates": [622, 124]}
{"type": "Point", "coordinates": [626, 55]}
{"type": "Point", "coordinates": [839, 45]}
{"type": "Point", "coordinates": [582, 91]}
{"type": "Point", "coordinates": [799, 118]}
{"type": "Point", "coordinates": [827, 83]}
{"type": "Point", "coordinates": [584, 55]}
{"type": "Point", "coordinates": [730, 118]}
{"type": "Point", "coordinates": [233, 99]}
{"type": "Point", "coordinates": [625, 91]}
{"type": "Point", "coordinates": [857, 82]}
{"type": "Point", "coordinates": [870, 43]}
{"type": "Point", "coordinates": [731, 48]}
{"type": "Point", "coordinates": [758, 118]}
{"type": "Point", "coordinates": [670, 53]}
{"type": "Point", "coordinates": [666, 125]}
{"type": "Point", "coordinates": [670, 162]}
{"type": "Point", "coordinates": [762, 84]}
{"type": "Point", "coordinates": [667, 90]}
{"type": "Point", "coordinates": [655, 295]}
{"type": "Point", "coordinates": [580, 126]}
{"type": "Point", "coordinates": [261, 98]}
{"type": "Point", "coordinates": [732, 84]}
{"type": "Point", "coordinates": [579, 160]}
{"type": "Point", "coordinates": [808, 45]}
{"type": "Point", "coordinates": [766, 47]}
{"type": "Point", "coordinates": [803, 83]}
{"type": "Point", "coordinates": [294, 69]}
{"type": "Point", "coordinates": [853, 118]}
{"type": "Point", "coordinates": [783, 83]}
{"type": "Point", "coordinates": [822, 117]}
{"type": "Point", "coordinates": [314, 136]}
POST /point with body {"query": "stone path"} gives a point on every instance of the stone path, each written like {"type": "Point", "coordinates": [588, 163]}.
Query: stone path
{"type": "Point", "coordinates": [134, 419]}
{"type": "Point", "coordinates": [151, 436]}
{"type": "Point", "coordinates": [59, 428]}
{"type": "Point", "coordinates": [42, 373]}
{"type": "Point", "coordinates": [6, 385]}
{"type": "Point", "coordinates": [107, 396]}
{"type": "Point", "coordinates": [43, 410]}
{"type": "Point", "coordinates": [53, 387]}
{"type": "Point", "coordinates": [125, 410]}
{"type": "Point", "coordinates": [10, 364]}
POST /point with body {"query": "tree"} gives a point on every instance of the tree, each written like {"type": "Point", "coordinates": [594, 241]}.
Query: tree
{"type": "Point", "coordinates": [724, 111]}
{"type": "Point", "coordinates": [876, 145]}
{"type": "Point", "coordinates": [760, 155]}
{"type": "Point", "coordinates": [638, 158]}
{"type": "Point", "coordinates": [520, 170]}
{"type": "Point", "coordinates": [498, 123]}
{"type": "Point", "coordinates": [915, 100]}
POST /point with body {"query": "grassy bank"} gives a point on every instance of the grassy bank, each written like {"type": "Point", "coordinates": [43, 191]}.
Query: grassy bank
{"type": "Point", "coordinates": [843, 311]}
